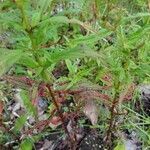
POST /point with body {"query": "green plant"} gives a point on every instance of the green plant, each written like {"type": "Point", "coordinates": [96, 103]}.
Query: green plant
{"type": "Point", "coordinates": [39, 43]}
{"type": "Point", "coordinates": [108, 46]}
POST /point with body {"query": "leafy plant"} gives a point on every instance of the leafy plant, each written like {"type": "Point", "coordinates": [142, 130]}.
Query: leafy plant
{"type": "Point", "coordinates": [108, 46]}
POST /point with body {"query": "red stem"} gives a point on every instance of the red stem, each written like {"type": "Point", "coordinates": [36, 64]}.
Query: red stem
{"type": "Point", "coordinates": [60, 115]}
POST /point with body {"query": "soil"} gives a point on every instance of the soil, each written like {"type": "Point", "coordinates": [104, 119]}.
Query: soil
{"type": "Point", "coordinates": [89, 141]}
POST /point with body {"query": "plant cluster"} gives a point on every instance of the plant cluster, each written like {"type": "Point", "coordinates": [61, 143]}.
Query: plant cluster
{"type": "Point", "coordinates": [86, 57]}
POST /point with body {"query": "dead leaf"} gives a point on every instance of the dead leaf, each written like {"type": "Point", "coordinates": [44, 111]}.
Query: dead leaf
{"type": "Point", "coordinates": [90, 108]}
{"type": "Point", "coordinates": [88, 96]}
{"type": "Point", "coordinates": [1, 107]}
{"type": "Point", "coordinates": [91, 111]}
{"type": "Point", "coordinates": [34, 95]}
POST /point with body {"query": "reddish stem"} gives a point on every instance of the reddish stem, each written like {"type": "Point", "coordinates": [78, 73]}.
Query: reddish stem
{"type": "Point", "coordinates": [60, 115]}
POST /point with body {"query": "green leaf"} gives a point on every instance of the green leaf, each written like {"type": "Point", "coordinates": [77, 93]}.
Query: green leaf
{"type": "Point", "coordinates": [71, 67]}
{"type": "Point", "coordinates": [20, 122]}
{"type": "Point", "coordinates": [77, 77]}
{"type": "Point", "coordinates": [6, 4]}
{"type": "Point", "coordinates": [138, 15]}
{"type": "Point", "coordinates": [77, 52]}
{"type": "Point", "coordinates": [43, 5]}
{"type": "Point", "coordinates": [35, 19]}
{"type": "Point", "coordinates": [27, 103]}
{"type": "Point", "coordinates": [120, 146]}
{"type": "Point", "coordinates": [26, 144]}
{"type": "Point", "coordinates": [90, 39]}
{"type": "Point", "coordinates": [8, 58]}
{"type": "Point", "coordinates": [29, 61]}
{"type": "Point", "coordinates": [59, 19]}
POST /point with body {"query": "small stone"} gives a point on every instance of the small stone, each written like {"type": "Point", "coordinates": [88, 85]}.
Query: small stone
{"type": "Point", "coordinates": [87, 143]}
{"type": "Point", "coordinates": [42, 103]}
{"type": "Point", "coordinates": [31, 120]}
{"type": "Point", "coordinates": [47, 144]}
{"type": "Point", "coordinates": [16, 107]}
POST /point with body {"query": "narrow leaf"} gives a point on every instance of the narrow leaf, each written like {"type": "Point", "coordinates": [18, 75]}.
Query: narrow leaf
{"type": "Point", "coordinates": [77, 52]}
{"type": "Point", "coordinates": [8, 58]}
{"type": "Point", "coordinates": [20, 122]}
{"type": "Point", "coordinates": [27, 103]}
{"type": "Point", "coordinates": [28, 61]}
{"type": "Point", "coordinates": [43, 4]}
{"type": "Point", "coordinates": [26, 144]}
{"type": "Point", "coordinates": [120, 146]}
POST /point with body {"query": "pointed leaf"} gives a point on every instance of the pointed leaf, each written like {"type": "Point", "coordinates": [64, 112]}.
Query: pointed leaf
{"type": "Point", "coordinates": [71, 67]}
{"type": "Point", "coordinates": [27, 103]}
{"type": "Point", "coordinates": [8, 58]}
{"type": "Point", "coordinates": [89, 39]}
{"type": "Point", "coordinates": [20, 122]}
{"type": "Point", "coordinates": [35, 19]}
{"type": "Point", "coordinates": [26, 144]}
{"type": "Point", "coordinates": [120, 146]}
{"type": "Point", "coordinates": [43, 4]}
{"type": "Point", "coordinates": [29, 61]}
{"type": "Point", "coordinates": [77, 52]}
